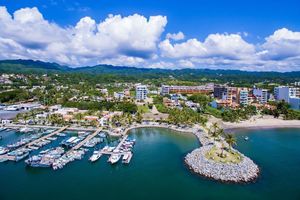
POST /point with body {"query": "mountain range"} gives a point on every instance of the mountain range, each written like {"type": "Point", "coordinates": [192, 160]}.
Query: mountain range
{"type": "Point", "coordinates": [31, 66]}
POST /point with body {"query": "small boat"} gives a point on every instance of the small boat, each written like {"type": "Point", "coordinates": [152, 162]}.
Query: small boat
{"type": "Point", "coordinates": [3, 150]}
{"type": "Point", "coordinates": [114, 158]}
{"type": "Point", "coordinates": [246, 138]}
{"type": "Point", "coordinates": [96, 155]}
{"type": "Point", "coordinates": [25, 130]}
{"type": "Point", "coordinates": [21, 157]}
{"type": "Point", "coordinates": [127, 157]}
{"type": "Point", "coordinates": [3, 160]}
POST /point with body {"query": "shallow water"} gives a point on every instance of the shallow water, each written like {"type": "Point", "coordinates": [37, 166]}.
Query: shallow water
{"type": "Point", "coordinates": [157, 171]}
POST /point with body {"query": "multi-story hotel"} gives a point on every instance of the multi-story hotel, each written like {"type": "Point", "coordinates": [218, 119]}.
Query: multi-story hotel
{"type": "Point", "coordinates": [202, 89]}
{"type": "Point", "coordinates": [261, 95]}
{"type": "Point", "coordinates": [141, 92]}
{"type": "Point", "coordinates": [243, 97]}
{"type": "Point", "coordinates": [285, 92]}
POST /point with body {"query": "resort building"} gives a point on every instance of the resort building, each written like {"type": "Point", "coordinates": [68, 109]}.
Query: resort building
{"type": "Point", "coordinates": [281, 93]}
{"type": "Point", "coordinates": [295, 103]}
{"type": "Point", "coordinates": [230, 94]}
{"type": "Point", "coordinates": [219, 91]}
{"type": "Point", "coordinates": [285, 92]}
{"type": "Point", "coordinates": [261, 95]}
{"type": "Point", "coordinates": [202, 89]}
{"type": "Point", "coordinates": [243, 97]}
{"type": "Point", "coordinates": [141, 92]}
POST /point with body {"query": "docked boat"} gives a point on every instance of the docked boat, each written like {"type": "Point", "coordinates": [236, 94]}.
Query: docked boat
{"type": "Point", "coordinates": [96, 155]}
{"type": "Point", "coordinates": [3, 160]}
{"type": "Point", "coordinates": [21, 157]}
{"type": "Point", "coordinates": [127, 157]}
{"type": "Point", "coordinates": [61, 134]}
{"type": "Point", "coordinates": [114, 158]}
{"type": "Point", "coordinates": [25, 130]}
{"type": "Point", "coordinates": [45, 159]}
{"type": "Point", "coordinates": [3, 150]}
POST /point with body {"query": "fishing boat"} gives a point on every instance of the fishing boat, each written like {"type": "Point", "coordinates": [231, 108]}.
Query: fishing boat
{"type": "Point", "coordinates": [246, 138]}
{"type": "Point", "coordinates": [127, 157]}
{"type": "Point", "coordinates": [96, 155]}
{"type": "Point", "coordinates": [114, 158]}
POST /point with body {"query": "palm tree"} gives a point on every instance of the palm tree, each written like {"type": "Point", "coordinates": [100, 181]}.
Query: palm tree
{"type": "Point", "coordinates": [215, 127]}
{"type": "Point", "coordinates": [230, 139]}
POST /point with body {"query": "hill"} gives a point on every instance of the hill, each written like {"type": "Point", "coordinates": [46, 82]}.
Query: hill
{"type": "Point", "coordinates": [196, 75]}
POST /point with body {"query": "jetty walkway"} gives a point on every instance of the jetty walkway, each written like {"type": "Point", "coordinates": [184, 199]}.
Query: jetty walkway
{"type": "Point", "coordinates": [117, 148]}
{"type": "Point", "coordinates": [80, 144]}
{"type": "Point", "coordinates": [12, 158]}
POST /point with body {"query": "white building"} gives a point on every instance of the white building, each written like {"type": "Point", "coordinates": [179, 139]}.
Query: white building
{"type": "Point", "coordinates": [295, 103]}
{"type": "Point", "coordinates": [294, 92]}
{"type": "Point", "coordinates": [285, 92]}
{"type": "Point", "coordinates": [141, 92]}
{"type": "Point", "coordinates": [119, 95]}
{"type": "Point", "coordinates": [165, 89]}
{"type": "Point", "coordinates": [243, 97]}
{"type": "Point", "coordinates": [261, 95]}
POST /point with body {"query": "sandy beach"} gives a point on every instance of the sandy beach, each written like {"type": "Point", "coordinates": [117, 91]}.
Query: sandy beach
{"type": "Point", "coordinates": [262, 122]}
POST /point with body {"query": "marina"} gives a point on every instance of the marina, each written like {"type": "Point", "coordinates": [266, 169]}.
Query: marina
{"type": "Point", "coordinates": [158, 155]}
{"type": "Point", "coordinates": [40, 148]}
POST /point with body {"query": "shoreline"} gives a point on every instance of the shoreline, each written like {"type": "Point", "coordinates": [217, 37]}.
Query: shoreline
{"type": "Point", "coordinates": [265, 122]}
{"type": "Point", "coordinates": [244, 172]}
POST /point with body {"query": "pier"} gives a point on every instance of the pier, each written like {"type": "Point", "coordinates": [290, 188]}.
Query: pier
{"type": "Point", "coordinates": [45, 137]}
{"type": "Point", "coordinates": [117, 148]}
{"type": "Point", "coordinates": [80, 144]}
{"type": "Point", "coordinates": [12, 158]}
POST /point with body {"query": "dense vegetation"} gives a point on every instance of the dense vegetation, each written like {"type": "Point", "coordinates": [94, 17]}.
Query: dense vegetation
{"type": "Point", "coordinates": [108, 73]}
{"type": "Point", "coordinates": [283, 108]}
{"type": "Point", "coordinates": [126, 107]}
{"type": "Point", "coordinates": [13, 96]}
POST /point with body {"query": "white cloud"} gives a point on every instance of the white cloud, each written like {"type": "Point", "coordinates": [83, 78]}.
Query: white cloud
{"type": "Point", "coordinates": [215, 45]}
{"type": "Point", "coordinates": [175, 36]}
{"type": "Point", "coordinates": [281, 45]}
{"type": "Point", "coordinates": [135, 40]}
{"type": "Point", "coordinates": [86, 43]}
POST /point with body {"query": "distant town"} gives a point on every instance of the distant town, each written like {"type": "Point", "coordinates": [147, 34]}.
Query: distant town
{"type": "Point", "coordinates": [28, 99]}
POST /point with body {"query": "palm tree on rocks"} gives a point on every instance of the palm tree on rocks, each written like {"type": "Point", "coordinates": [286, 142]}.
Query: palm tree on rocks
{"type": "Point", "coordinates": [230, 139]}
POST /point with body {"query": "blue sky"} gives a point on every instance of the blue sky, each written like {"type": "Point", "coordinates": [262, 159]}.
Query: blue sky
{"type": "Point", "coordinates": [211, 30]}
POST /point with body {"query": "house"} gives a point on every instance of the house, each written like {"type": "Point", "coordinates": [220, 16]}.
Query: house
{"type": "Point", "coordinates": [6, 121]}
{"type": "Point", "coordinates": [91, 118]}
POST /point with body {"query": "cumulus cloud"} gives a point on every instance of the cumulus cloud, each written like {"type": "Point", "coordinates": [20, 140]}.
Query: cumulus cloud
{"type": "Point", "coordinates": [135, 40]}
{"type": "Point", "coordinates": [175, 36]}
{"type": "Point", "coordinates": [281, 45]}
{"type": "Point", "coordinates": [28, 34]}
{"type": "Point", "coordinates": [215, 45]}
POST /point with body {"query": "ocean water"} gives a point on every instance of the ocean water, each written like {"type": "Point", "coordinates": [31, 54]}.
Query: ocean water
{"type": "Point", "coordinates": [157, 171]}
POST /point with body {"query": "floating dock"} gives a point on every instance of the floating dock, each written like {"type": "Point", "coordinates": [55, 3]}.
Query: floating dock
{"type": "Point", "coordinates": [12, 158]}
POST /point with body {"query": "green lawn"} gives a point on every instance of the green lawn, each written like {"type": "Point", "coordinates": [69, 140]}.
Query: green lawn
{"type": "Point", "coordinates": [228, 156]}
{"type": "Point", "coordinates": [143, 109]}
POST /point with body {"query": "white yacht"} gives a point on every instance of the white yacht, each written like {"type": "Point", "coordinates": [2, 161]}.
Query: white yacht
{"type": "Point", "coordinates": [25, 130]}
{"type": "Point", "coordinates": [114, 158]}
{"type": "Point", "coordinates": [3, 150]}
{"type": "Point", "coordinates": [96, 155]}
{"type": "Point", "coordinates": [127, 157]}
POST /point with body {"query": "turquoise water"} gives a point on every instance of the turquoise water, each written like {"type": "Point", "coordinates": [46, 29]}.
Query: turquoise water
{"type": "Point", "coordinates": [157, 171]}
